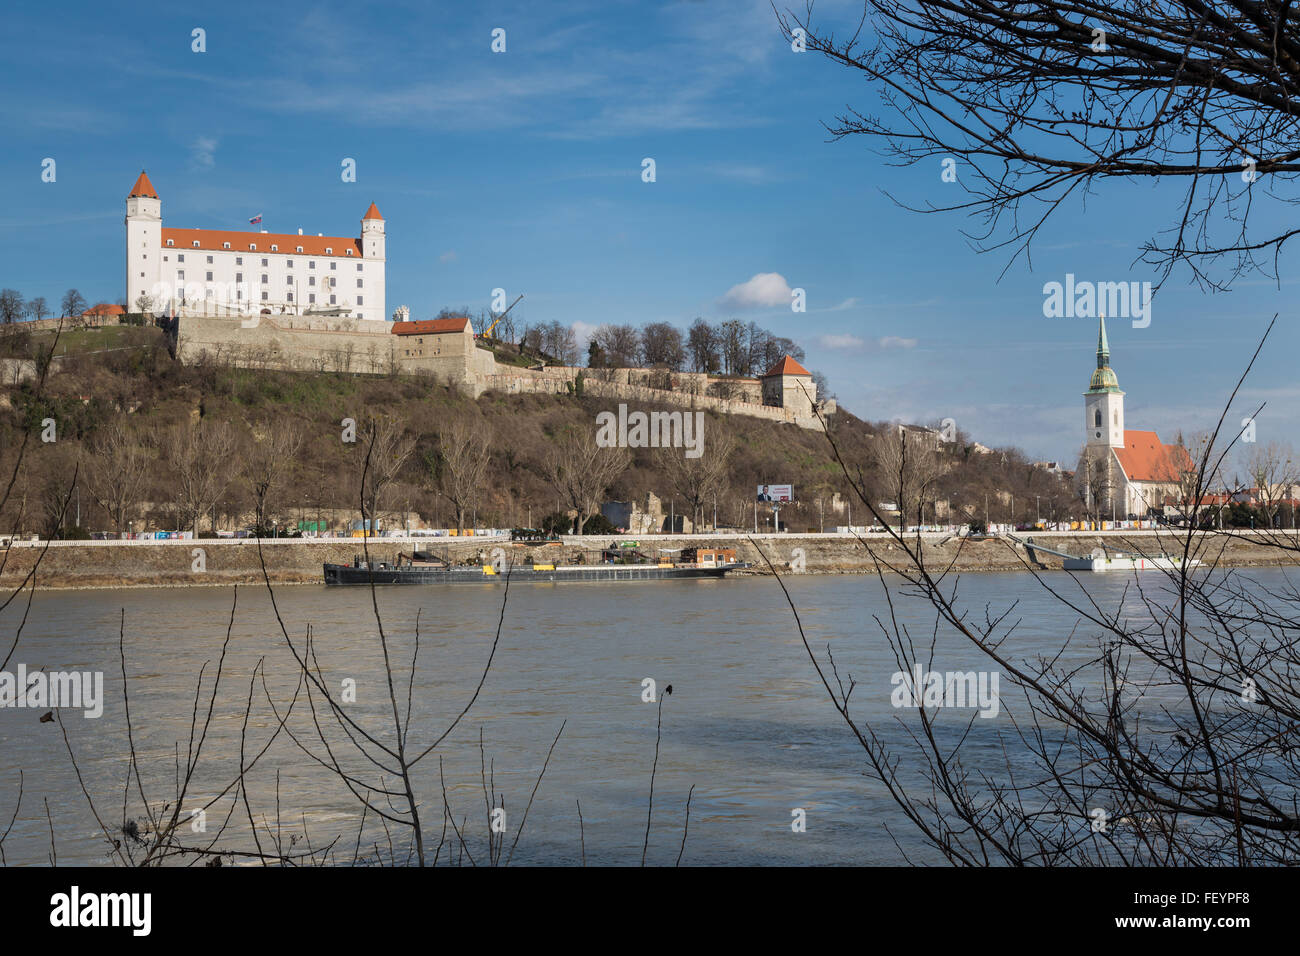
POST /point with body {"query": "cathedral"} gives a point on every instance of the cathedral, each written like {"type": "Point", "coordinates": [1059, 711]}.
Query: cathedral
{"type": "Point", "coordinates": [1124, 473]}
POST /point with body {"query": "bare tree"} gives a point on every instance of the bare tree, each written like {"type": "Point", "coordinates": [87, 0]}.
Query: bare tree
{"type": "Point", "coordinates": [73, 304]}
{"type": "Point", "coordinates": [1272, 470]}
{"type": "Point", "coordinates": [702, 343]}
{"type": "Point", "coordinates": [115, 467]}
{"type": "Point", "coordinates": [199, 455]}
{"type": "Point", "coordinates": [661, 345]}
{"type": "Point", "coordinates": [698, 479]}
{"type": "Point", "coordinates": [459, 466]}
{"type": "Point", "coordinates": [1032, 102]}
{"type": "Point", "coordinates": [37, 308]}
{"type": "Point", "coordinates": [580, 471]}
{"type": "Point", "coordinates": [386, 448]}
{"type": "Point", "coordinates": [11, 306]}
{"type": "Point", "coordinates": [907, 461]}
{"type": "Point", "coordinates": [620, 345]}
{"type": "Point", "coordinates": [268, 463]}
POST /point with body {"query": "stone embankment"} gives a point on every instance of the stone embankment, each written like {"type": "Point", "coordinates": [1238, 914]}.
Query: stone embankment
{"type": "Point", "coordinates": [212, 562]}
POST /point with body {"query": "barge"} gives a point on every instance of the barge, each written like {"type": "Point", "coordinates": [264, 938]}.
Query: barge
{"type": "Point", "coordinates": [615, 564]}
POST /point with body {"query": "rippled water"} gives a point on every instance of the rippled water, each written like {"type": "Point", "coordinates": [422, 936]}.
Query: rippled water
{"type": "Point", "coordinates": [747, 724]}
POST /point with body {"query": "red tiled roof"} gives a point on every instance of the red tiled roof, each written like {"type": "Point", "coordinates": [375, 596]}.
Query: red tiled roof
{"type": "Point", "coordinates": [787, 366]}
{"type": "Point", "coordinates": [103, 308]}
{"type": "Point", "coordinates": [1145, 458]}
{"type": "Point", "coordinates": [372, 212]}
{"type": "Point", "coordinates": [245, 241]}
{"type": "Point", "coordinates": [431, 326]}
{"type": "Point", "coordinates": [142, 187]}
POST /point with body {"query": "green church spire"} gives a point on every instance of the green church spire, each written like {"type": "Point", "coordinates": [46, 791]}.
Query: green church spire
{"type": "Point", "coordinates": [1103, 380]}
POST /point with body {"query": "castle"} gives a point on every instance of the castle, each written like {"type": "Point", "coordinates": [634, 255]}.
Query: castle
{"type": "Point", "coordinates": [218, 272]}
{"type": "Point", "coordinates": [298, 302]}
{"type": "Point", "coordinates": [1122, 471]}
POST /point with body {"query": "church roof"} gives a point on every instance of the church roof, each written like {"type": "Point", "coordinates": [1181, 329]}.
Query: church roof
{"type": "Point", "coordinates": [431, 326]}
{"type": "Point", "coordinates": [245, 242]}
{"type": "Point", "coordinates": [787, 366]}
{"type": "Point", "coordinates": [372, 212]}
{"type": "Point", "coordinates": [142, 187]}
{"type": "Point", "coordinates": [1145, 457]}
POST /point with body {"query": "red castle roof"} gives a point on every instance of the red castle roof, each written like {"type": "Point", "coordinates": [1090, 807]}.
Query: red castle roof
{"type": "Point", "coordinates": [142, 187]}
{"type": "Point", "coordinates": [787, 366]}
{"type": "Point", "coordinates": [431, 326]}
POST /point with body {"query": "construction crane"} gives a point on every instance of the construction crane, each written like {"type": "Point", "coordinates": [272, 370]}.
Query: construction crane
{"type": "Point", "coordinates": [487, 333]}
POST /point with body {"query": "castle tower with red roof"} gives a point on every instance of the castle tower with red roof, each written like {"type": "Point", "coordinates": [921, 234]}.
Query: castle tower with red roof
{"type": "Point", "coordinates": [788, 384]}
{"type": "Point", "coordinates": [143, 232]}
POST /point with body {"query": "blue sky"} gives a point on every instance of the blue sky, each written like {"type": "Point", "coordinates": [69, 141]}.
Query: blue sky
{"type": "Point", "coordinates": [522, 170]}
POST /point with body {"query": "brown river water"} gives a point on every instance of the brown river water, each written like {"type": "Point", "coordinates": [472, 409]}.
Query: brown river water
{"type": "Point", "coordinates": [748, 724]}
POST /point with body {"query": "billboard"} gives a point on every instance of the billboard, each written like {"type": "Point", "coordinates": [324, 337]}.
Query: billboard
{"type": "Point", "coordinates": [775, 493]}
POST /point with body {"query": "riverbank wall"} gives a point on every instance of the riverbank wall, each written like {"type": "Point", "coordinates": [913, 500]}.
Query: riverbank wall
{"type": "Point", "coordinates": [218, 562]}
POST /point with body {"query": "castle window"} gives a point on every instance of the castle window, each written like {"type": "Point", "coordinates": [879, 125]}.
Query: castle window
{"type": "Point", "coordinates": [209, 260]}
{"type": "Point", "coordinates": [290, 296]}
{"type": "Point", "coordinates": [359, 301]}
{"type": "Point", "coordinates": [1117, 416]}
{"type": "Point", "coordinates": [238, 295]}
{"type": "Point", "coordinates": [360, 265]}
{"type": "Point", "coordinates": [299, 249]}
{"type": "Point", "coordinates": [264, 279]}
{"type": "Point", "coordinates": [252, 247]}
{"type": "Point", "coordinates": [331, 300]}
{"type": "Point", "coordinates": [334, 265]}
{"type": "Point", "coordinates": [311, 280]}
{"type": "Point", "coordinates": [274, 247]}
{"type": "Point", "coordinates": [180, 276]}
{"type": "Point", "coordinates": [181, 257]}
{"type": "Point", "coordinates": [171, 242]}
{"type": "Point", "coordinates": [239, 277]}
{"type": "Point", "coordinates": [1097, 418]}
{"type": "Point", "coordinates": [225, 245]}
{"type": "Point", "coordinates": [311, 298]}
{"type": "Point", "coordinates": [290, 262]}
{"type": "Point", "coordinates": [209, 279]}
{"type": "Point", "coordinates": [195, 243]}
{"type": "Point", "coordinates": [349, 251]}
{"type": "Point", "coordinates": [288, 280]}
{"type": "Point", "coordinates": [239, 260]}
{"type": "Point", "coordinates": [311, 263]}
{"type": "Point", "coordinates": [264, 263]}
{"type": "Point", "coordinates": [358, 283]}
{"type": "Point", "coordinates": [329, 250]}
{"type": "Point", "coordinates": [264, 296]}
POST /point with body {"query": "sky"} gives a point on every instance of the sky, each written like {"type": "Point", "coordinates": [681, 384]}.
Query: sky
{"type": "Point", "coordinates": [523, 170]}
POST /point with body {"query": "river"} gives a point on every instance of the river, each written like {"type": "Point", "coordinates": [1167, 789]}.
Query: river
{"type": "Point", "coordinates": [747, 724]}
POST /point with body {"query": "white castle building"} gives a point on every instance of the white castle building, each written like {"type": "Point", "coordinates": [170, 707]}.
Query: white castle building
{"type": "Point", "coordinates": [218, 272]}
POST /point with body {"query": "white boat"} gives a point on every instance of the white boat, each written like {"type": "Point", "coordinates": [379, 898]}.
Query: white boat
{"type": "Point", "coordinates": [1100, 561]}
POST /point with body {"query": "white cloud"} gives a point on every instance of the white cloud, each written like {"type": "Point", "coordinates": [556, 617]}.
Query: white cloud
{"type": "Point", "coordinates": [896, 342]}
{"type": "Point", "coordinates": [203, 153]}
{"type": "Point", "coordinates": [583, 331]}
{"type": "Point", "coordinates": [840, 342]}
{"type": "Point", "coordinates": [764, 290]}
{"type": "Point", "coordinates": [448, 256]}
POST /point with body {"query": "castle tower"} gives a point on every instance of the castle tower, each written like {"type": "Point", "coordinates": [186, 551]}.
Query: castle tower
{"type": "Point", "coordinates": [1104, 402]}
{"type": "Point", "coordinates": [787, 384]}
{"type": "Point", "coordinates": [143, 242]}
{"type": "Point", "coordinates": [372, 250]}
